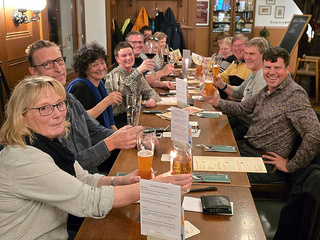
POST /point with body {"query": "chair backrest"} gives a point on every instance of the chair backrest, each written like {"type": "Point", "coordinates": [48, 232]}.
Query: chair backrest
{"type": "Point", "coordinates": [311, 65]}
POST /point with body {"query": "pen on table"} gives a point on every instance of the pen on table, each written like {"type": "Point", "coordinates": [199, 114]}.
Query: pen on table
{"type": "Point", "coordinates": [204, 189]}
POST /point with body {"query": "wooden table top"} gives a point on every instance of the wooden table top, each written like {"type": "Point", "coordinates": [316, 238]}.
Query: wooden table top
{"type": "Point", "coordinates": [121, 223]}
{"type": "Point", "coordinates": [216, 131]}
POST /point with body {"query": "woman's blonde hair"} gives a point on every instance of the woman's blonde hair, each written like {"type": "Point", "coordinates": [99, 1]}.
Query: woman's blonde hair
{"type": "Point", "coordinates": [160, 35]}
{"type": "Point", "coordinates": [15, 129]}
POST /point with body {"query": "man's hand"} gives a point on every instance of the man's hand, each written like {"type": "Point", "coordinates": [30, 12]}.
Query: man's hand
{"type": "Point", "coordinates": [214, 99]}
{"type": "Point", "coordinates": [147, 65]}
{"type": "Point", "coordinates": [151, 103]}
{"type": "Point", "coordinates": [124, 138]}
{"type": "Point", "coordinates": [279, 162]}
{"type": "Point", "coordinates": [219, 83]}
{"type": "Point", "coordinates": [113, 98]}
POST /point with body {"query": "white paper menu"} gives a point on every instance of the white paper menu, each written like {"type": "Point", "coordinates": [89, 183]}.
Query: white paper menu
{"type": "Point", "coordinates": [181, 92]}
{"type": "Point", "coordinates": [160, 209]}
{"type": "Point", "coordinates": [229, 164]}
{"type": "Point", "coordinates": [179, 125]}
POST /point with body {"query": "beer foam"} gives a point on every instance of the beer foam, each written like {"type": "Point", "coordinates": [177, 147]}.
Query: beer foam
{"type": "Point", "coordinates": [145, 153]}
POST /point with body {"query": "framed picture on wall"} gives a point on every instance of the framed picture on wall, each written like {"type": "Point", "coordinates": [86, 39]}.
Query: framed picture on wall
{"type": "Point", "coordinates": [264, 10]}
{"type": "Point", "coordinates": [203, 7]}
{"type": "Point", "coordinates": [270, 2]}
{"type": "Point", "coordinates": [279, 12]}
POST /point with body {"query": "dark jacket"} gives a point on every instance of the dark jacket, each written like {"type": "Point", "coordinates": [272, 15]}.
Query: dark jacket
{"type": "Point", "coordinates": [290, 217]}
{"type": "Point", "coordinates": [170, 27]}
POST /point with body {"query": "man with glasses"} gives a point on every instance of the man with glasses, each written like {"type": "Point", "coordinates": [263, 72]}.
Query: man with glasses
{"type": "Point", "coordinates": [237, 72]}
{"type": "Point", "coordinates": [136, 40]}
{"type": "Point", "coordinates": [91, 143]}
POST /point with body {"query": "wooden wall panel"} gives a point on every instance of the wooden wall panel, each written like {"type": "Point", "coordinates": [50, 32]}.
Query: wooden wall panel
{"type": "Point", "coordinates": [14, 41]}
{"type": "Point", "coordinates": [185, 14]}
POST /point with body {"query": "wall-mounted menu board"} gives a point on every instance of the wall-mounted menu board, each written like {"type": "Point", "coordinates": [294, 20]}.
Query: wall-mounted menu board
{"type": "Point", "coordinates": [294, 32]}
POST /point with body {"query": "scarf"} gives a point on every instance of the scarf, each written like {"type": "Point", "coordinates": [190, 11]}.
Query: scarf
{"type": "Point", "coordinates": [99, 94]}
{"type": "Point", "coordinates": [62, 157]}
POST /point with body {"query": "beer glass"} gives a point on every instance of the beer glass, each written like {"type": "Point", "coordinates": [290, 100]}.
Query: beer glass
{"type": "Point", "coordinates": [198, 61]}
{"type": "Point", "coordinates": [208, 81]}
{"type": "Point", "coordinates": [133, 106]}
{"type": "Point", "coordinates": [216, 61]}
{"type": "Point", "coordinates": [145, 150]}
{"type": "Point", "coordinates": [116, 81]}
{"type": "Point", "coordinates": [181, 159]}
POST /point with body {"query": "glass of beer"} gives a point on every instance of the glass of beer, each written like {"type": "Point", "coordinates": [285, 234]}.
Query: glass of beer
{"type": "Point", "coordinates": [145, 150]}
{"type": "Point", "coordinates": [181, 159]}
{"type": "Point", "coordinates": [209, 84]}
{"type": "Point", "coordinates": [216, 61]}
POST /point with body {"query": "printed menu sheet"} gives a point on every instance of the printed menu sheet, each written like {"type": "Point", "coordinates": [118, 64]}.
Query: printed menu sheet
{"type": "Point", "coordinates": [160, 209]}
{"type": "Point", "coordinates": [229, 164]}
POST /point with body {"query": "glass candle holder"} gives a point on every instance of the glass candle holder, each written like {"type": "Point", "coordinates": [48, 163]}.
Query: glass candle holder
{"type": "Point", "coordinates": [181, 159]}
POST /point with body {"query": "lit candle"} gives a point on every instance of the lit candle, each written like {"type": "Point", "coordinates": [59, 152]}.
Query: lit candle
{"type": "Point", "coordinates": [172, 156]}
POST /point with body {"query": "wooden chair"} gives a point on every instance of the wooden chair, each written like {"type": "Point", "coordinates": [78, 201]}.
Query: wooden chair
{"type": "Point", "coordinates": [308, 66]}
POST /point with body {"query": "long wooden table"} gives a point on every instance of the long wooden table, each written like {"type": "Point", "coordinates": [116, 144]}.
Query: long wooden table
{"type": "Point", "coordinates": [122, 223]}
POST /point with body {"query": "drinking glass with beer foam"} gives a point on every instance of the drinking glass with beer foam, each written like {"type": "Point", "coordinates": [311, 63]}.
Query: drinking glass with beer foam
{"type": "Point", "coordinates": [209, 84]}
{"type": "Point", "coordinates": [216, 61]}
{"type": "Point", "coordinates": [145, 150]}
{"type": "Point", "coordinates": [181, 159]}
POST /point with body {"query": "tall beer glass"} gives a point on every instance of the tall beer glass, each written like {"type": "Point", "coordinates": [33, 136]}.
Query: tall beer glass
{"type": "Point", "coordinates": [145, 150]}
{"type": "Point", "coordinates": [216, 61]}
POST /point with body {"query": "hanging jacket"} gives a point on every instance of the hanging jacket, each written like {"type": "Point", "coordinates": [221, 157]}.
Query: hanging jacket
{"type": "Point", "coordinates": [142, 20]}
{"type": "Point", "coordinates": [125, 24]}
{"type": "Point", "coordinates": [157, 21]}
{"type": "Point", "coordinates": [128, 29]}
{"type": "Point", "coordinates": [116, 38]}
{"type": "Point", "coordinates": [170, 27]}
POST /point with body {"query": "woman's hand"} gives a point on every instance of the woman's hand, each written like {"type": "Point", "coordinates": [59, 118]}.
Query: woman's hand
{"type": "Point", "coordinates": [170, 85]}
{"type": "Point", "coordinates": [113, 98]}
{"type": "Point", "coordinates": [151, 103]}
{"type": "Point", "coordinates": [131, 178]}
{"type": "Point", "coordinates": [183, 180]}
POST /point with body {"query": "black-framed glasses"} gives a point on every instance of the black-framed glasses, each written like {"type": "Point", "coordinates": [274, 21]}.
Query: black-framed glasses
{"type": "Point", "coordinates": [50, 64]}
{"type": "Point", "coordinates": [48, 109]}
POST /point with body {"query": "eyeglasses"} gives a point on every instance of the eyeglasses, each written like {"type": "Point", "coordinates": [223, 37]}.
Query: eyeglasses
{"type": "Point", "coordinates": [48, 109]}
{"type": "Point", "coordinates": [238, 45]}
{"type": "Point", "coordinates": [50, 64]}
{"type": "Point", "coordinates": [136, 42]}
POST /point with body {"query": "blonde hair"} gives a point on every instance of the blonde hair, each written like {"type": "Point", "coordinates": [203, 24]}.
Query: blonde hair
{"type": "Point", "coordinates": [160, 35]}
{"type": "Point", "coordinates": [15, 129]}
{"type": "Point", "coordinates": [227, 41]}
